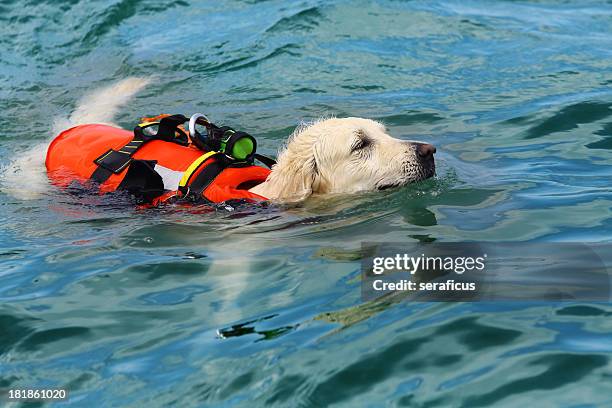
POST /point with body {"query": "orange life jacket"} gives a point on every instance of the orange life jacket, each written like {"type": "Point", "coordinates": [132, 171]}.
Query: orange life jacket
{"type": "Point", "coordinates": [156, 169]}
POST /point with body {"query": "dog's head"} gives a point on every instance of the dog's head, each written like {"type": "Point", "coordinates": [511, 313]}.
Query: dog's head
{"type": "Point", "coordinates": [348, 155]}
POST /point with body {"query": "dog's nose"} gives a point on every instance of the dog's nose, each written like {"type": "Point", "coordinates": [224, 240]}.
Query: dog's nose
{"type": "Point", "coordinates": [425, 150]}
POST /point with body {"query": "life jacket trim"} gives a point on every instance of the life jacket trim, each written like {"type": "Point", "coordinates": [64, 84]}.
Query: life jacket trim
{"type": "Point", "coordinates": [195, 190]}
{"type": "Point", "coordinates": [193, 167]}
{"type": "Point", "coordinates": [170, 177]}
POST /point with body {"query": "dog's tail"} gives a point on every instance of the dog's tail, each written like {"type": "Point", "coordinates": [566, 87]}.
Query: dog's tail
{"type": "Point", "coordinates": [101, 105]}
{"type": "Point", "coordinates": [25, 178]}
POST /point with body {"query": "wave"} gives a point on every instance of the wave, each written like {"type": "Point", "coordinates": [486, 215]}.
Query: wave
{"type": "Point", "coordinates": [565, 119]}
{"type": "Point", "coordinates": [305, 20]}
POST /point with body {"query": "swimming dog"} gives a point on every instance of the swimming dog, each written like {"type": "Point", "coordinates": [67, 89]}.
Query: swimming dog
{"type": "Point", "coordinates": [335, 155]}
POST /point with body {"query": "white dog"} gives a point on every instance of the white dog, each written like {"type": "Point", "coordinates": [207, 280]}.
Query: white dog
{"type": "Point", "coordinates": [345, 156]}
{"type": "Point", "coordinates": [328, 156]}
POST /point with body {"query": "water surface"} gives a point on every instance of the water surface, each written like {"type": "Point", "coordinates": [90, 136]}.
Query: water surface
{"type": "Point", "coordinates": [262, 306]}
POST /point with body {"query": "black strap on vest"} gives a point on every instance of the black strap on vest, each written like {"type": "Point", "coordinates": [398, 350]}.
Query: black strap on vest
{"type": "Point", "coordinates": [167, 129]}
{"type": "Point", "coordinates": [142, 181]}
{"type": "Point", "coordinates": [194, 189]}
{"type": "Point", "coordinates": [269, 162]}
{"type": "Point", "coordinates": [115, 161]}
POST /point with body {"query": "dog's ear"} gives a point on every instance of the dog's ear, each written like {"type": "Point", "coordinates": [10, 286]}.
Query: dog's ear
{"type": "Point", "coordinates": [293, 178]}
{"type": "Point", "coordinates": [298, 172]}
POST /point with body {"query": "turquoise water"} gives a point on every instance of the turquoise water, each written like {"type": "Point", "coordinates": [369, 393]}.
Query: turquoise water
{"type": "Point", "coordinates": [254, 307]}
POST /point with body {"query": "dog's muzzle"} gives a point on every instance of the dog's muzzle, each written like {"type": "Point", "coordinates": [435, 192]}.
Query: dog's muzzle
{"type": "Point", "coordinates": [425, 153]}
{"type": "Point", "coordinates": [421, 167]}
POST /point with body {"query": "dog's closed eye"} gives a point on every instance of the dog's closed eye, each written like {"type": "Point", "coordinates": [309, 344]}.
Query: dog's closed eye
{"type": "Point", "coordinates": [362, 141]}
